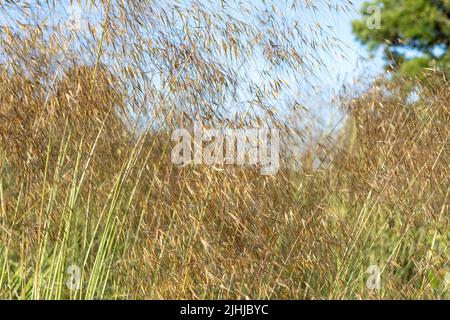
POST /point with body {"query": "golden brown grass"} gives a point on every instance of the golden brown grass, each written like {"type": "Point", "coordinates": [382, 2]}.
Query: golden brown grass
{"type": "Point", "coordinates": [82, 184]}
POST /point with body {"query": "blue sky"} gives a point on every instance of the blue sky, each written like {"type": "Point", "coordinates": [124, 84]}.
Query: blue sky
{"type": "Point", "coordinates": [356, 54]}
{"type": "Point", "coordinates": [340, 69]}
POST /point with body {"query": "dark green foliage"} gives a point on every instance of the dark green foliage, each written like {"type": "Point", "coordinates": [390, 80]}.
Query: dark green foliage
{"type": "Point", "coordinates": [415, 34]}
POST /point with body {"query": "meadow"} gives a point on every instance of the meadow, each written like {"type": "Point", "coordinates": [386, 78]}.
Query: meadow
{"type": "Point", "coordinates": [92, 207]}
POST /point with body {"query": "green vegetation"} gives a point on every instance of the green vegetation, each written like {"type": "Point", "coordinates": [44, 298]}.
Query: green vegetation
{"type": "Point", "coordinates": [418, 27]}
